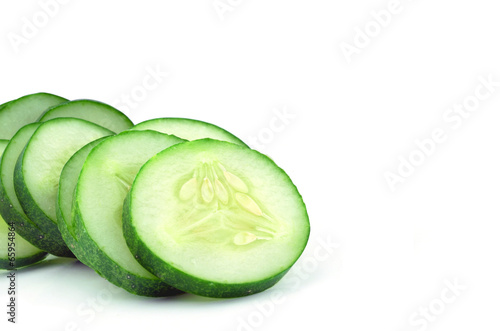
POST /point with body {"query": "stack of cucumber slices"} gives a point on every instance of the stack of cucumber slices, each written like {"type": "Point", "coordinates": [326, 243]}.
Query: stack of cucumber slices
{"type": "Point", "coordinates": [167, 206]}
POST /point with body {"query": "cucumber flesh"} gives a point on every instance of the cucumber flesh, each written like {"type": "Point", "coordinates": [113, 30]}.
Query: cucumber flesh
{"type": "Point", "coordinates": [25, 253]}
{"type": "Point", "coordinates": [188, 129]}
{"type": "Point", "coordinates": [10, 208]}
{"type": "Point", "coordinates": [102, 187]}
{"type": "Point", "coordinates": [67, 185]}
{"type": "Point", "coordinates": [92, 111]}
{"type": "Point", "coordinates": [37, 171]}
{"type": "Point", "coordinates": [215, 219]}
{"type": "Point", "coordinates": [16, 114]}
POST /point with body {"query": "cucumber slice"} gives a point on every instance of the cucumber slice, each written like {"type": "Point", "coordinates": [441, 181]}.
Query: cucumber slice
{"type": "Point", "coordinates": [188, 129]}
{"type": "Point", "coordinates": [4, 104]}
{"type": "Point", "coordinates": [10, 208]}
{"type": "Point", "coordinates": [215, 219]}
{"type": "Point", "coordinates": [67, 185]}
{"type": "Point", "coordinates": [24, 253]}
{"type": "Point", "coordinates": [102, 187]}
{"type": "Point", "coordinates": [37, 171]}
{"type": "Point", "coordinates": [92, 111]}
{"type": "Point", "coordinates": [16, 114]}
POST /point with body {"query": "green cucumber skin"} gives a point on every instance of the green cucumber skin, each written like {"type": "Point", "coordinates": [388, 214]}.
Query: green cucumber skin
{"type": "Point", "coordinates": [6, 107]}
{"type": "Point", "coordinates": [22, 262]}
{"type": "Point", "coordinates": [120, 277]}
{"type": "Point", "coordinates": [150, 261]}
{"type": "Point", "coordinates": [48, 232]}
{"type": "Point", "coordinates": [4, 104]}
{"type": "Point", "coordinates": [24, 227]}
{"type": "Point", "coordinates": [183, 281]}
{"type": "Point", "coordinates": [19, 262]}
{"type": "Point", "coordinates": [47, 226]}
{"type": "Point", "coordinates": [70, 241]}
{"type": "Point", "coordinates": [124, 125]}
{"type": "Point", "coordinates": [234, 139]}
{"type": "Point", "coordinates": [68, 234]}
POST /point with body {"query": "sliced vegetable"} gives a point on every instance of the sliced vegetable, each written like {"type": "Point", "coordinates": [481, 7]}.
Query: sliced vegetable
{"type": "Point", "coordinates": [92, 111]}
{"type": "Point", "coordinates": [37, 172]}
{"type": "Point", "coordinates": [215, 219]}
{"type": "Point", "coordinates": [102, 187]}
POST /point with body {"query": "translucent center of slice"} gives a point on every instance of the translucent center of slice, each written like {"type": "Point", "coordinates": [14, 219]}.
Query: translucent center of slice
{"type": "Point", "coordinates": [219, 208]}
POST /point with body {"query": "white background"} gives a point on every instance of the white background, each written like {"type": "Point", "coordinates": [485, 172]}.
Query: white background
{"type": "Point", "coordinates": [353, 119]}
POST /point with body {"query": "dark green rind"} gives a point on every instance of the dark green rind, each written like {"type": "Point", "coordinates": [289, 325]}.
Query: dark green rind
{"type": "Point", "coordinates": [47, 230]}
{"type": "Point", "coordinates": [105, 266]}
{"type": "Point", "coordinates": [48, 99]}
{"type": "Point", "coordinates": [146, 126]}
{"type": "Point", "coordinates": [71, 109]}
{"type": "Point", "coordinates": [128, 281]}
{"type": "Point", "coordinates": [181, 280]}
{"type": "Point", "coordinates": [48, 227]}
{"type": "Point", "coordinates": [65, 226]}
{"type": "Point", "coordinates": [24, 227]}
{"type": "Point", "coordinates": [4, 104]}
{"type": "Point", "coordinates": [18, 262]}
{"type": "Point", "coordinates": [23, 261]}
{"type": "Point", "coordinates": [188, 283]}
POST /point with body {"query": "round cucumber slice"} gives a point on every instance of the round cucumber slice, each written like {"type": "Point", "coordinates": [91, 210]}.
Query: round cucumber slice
{"type": "Point", "coordinates": [37, 172]}
{"type": "Point", "coordinates": [92, 111]}
{"type": "Point", "coordinates": [102, 187]}
{"type": "Point", "coordinates": [215, 219]}
{"type": "Point", "coordinates": [16, 114]}
{"type": "Point", "coordinates": [22, 252]}
{"type": "Point", "coordinates": [10, 208]}
{"type": "Point", "coordinates": [67, 185]}
{"type": "Point", "coordinates": [188, 129]}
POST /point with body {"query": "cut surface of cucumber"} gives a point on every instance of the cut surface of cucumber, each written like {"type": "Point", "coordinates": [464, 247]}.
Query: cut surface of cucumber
{"type": "Point", "coordinates": [22, 253]}
{"type": "Point", "coordinates": [188, 129]}
{"type": "Point", "coordinates": [103, 184]}
{"type": "Point", "coordinates": [92, 111]}
{"type": "Point", "coordinates": [8, 161]}
{"type": "Point", "coordinates": [215, 219]}
{"type": "Point", "coordinates": [67, 185]}
{"type": "Point", "coordinates": [10, 208]}
{"type": "Point", "coordinates": [16, 114]}
{"type": "Point", "coordinates": [37, 171]}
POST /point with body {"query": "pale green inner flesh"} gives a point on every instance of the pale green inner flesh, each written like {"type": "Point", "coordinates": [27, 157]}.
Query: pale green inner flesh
{"type": "Point", "coordinates": [23, 111]}
{"type": "Point", "coordinates": [188, 129]}
{"type": "Point", "coordinates": [104, 183]}
{"type": "Point", "coordinates": [9, 159]}
{"type": "Point", "coordinates": [219, 212]}
{"type": "Point", "coordinates": [92, 111]}
{"type": "Point", "coordinates": [47, 152]}
{"type": "Point", "coordinates": [22, 247]}
{"type": "Point", "coordinates": [220, 209]}
{"type": "Point", "coordinates": [69, 180]}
